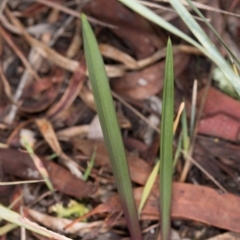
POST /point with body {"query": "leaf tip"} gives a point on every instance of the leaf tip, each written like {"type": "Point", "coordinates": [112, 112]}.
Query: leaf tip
{"type": "Point", "coordinates": [169, 42]}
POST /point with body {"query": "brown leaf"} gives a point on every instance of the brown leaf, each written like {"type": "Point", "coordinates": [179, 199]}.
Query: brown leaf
{"type": "Point", "coordinates": [133, 29]}
{"type": "Point", "coordinates": [220, 118]}
{"type": "Point", "coordinates": [139, 169]}
{"type": "Point", "coordinates": [220, 125]}
{"type": "Point", "coordinates": [141, 84]}
{"type": "Point", "coordinates": [190, 202]}
{"type": "Point", "coordinates": [218, 102]}
{"type": "Point", "coordinates": [50, 137]}
{"type": "Point", "coordinates": [19, 164]}
{"type": "Point", "coordinates": [147, 82]}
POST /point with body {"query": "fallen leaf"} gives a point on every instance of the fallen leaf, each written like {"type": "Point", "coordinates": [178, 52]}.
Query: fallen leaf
{"type": "Point", "coordinates": [220, 118]}
{"type": "Point", "coordinates": [50, 137]}
{"type": "Point", "coordinates": [132, 28]}
{"type": "Point", "coordinates": [139, 169]}
{"type": "Point", "coordinates": [189, 202]}
{"type": "Point", "coordinates": [19, 164]}
{"type": "Point", "coordinates": [147, 82]}
{"type": "Point", "coordinates": [220, 125]}
{"type": "Point", "coordinates": [218, 102]}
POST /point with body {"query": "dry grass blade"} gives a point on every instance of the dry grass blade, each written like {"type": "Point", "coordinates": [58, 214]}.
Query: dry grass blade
{"type": "Point", "coordinates": [20, 182]}
{"type": "Point", "coordinates": [175, 124]}
{"type": "Point", "coordinates": [17, 219]}
{"type": "Point", "coordinates": [113, 53]}
{"type": "Point", "coordinates": [205, 7]}
{"type": "Point", "coordinates": [26, 142]}
{"type": "Point", "coordinates": [50, 137]}
{"type": "Point", "coordinates": [193, 108]}
{"type": "Point", "coordinates": [213, 30]}
{"type": "Point", "coordinates": [5, 87]}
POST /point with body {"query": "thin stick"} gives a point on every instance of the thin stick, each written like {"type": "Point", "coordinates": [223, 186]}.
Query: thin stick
{"type": "Point", "coordinates": [187, 165]}
{"type": "Point", "coordinates": [135, 111]}
{"type": "Point", "coordinates": [25, 62]}
{"type": "Point", "coordinates": [74, 13]}
{"type": "Point", "coordinates": [204, 171]}
{"type": "Point", "coordinates": [193, 111]}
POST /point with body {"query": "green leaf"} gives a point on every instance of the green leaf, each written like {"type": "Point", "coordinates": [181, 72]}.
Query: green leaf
{"type": "Point", "coordinates": [166, 145]}
{"type": "Point", "coordinates": [111, 132]}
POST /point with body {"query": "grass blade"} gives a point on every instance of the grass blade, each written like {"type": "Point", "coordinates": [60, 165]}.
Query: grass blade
{"type": "Point", "coordinates": [152, 177]}
{"type": "Point", "coordinates": [148, 187]}
{"type": "Point", "coordinates": [212, 29]}
{"type": "Point", "coordinates": [166, 148]}
{"type": "Point", "coordinates": [207, 47]}
{"type": "Point", "coordinates": [90, 165]}
{"type": "Point", "coordinates": [213, 53]}
{"type": "Point", "coordinates": [110, 128]}
{"type": "Point", "coordinates": [38, 163]}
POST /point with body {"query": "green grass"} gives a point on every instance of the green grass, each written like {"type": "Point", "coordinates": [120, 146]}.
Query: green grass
{"type": "Point", "coordinates": [111, 132]}
{"type": "Point", "coordinates": [166, 145]}
{"type": "Point", "coordinates": [204, 44]}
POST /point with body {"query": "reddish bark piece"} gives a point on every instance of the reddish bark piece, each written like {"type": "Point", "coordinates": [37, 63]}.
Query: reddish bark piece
{"type": "Point", "coordinates": [133, 29]}
{"type": "Point", "coordinates": [221, 116]}
{"type": "Point", "coordinates": [19, 164]}
{"type": "Point", "coordinates": [147, 82]}
{"type": "Point", "coordinates": [218, 102]}
{"type": "Point", "coordinates": [220, 125]}
{"type": "Point", "coordinates": [190, 202]}
{"type": "Point", "coordinates": [139, 169]}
